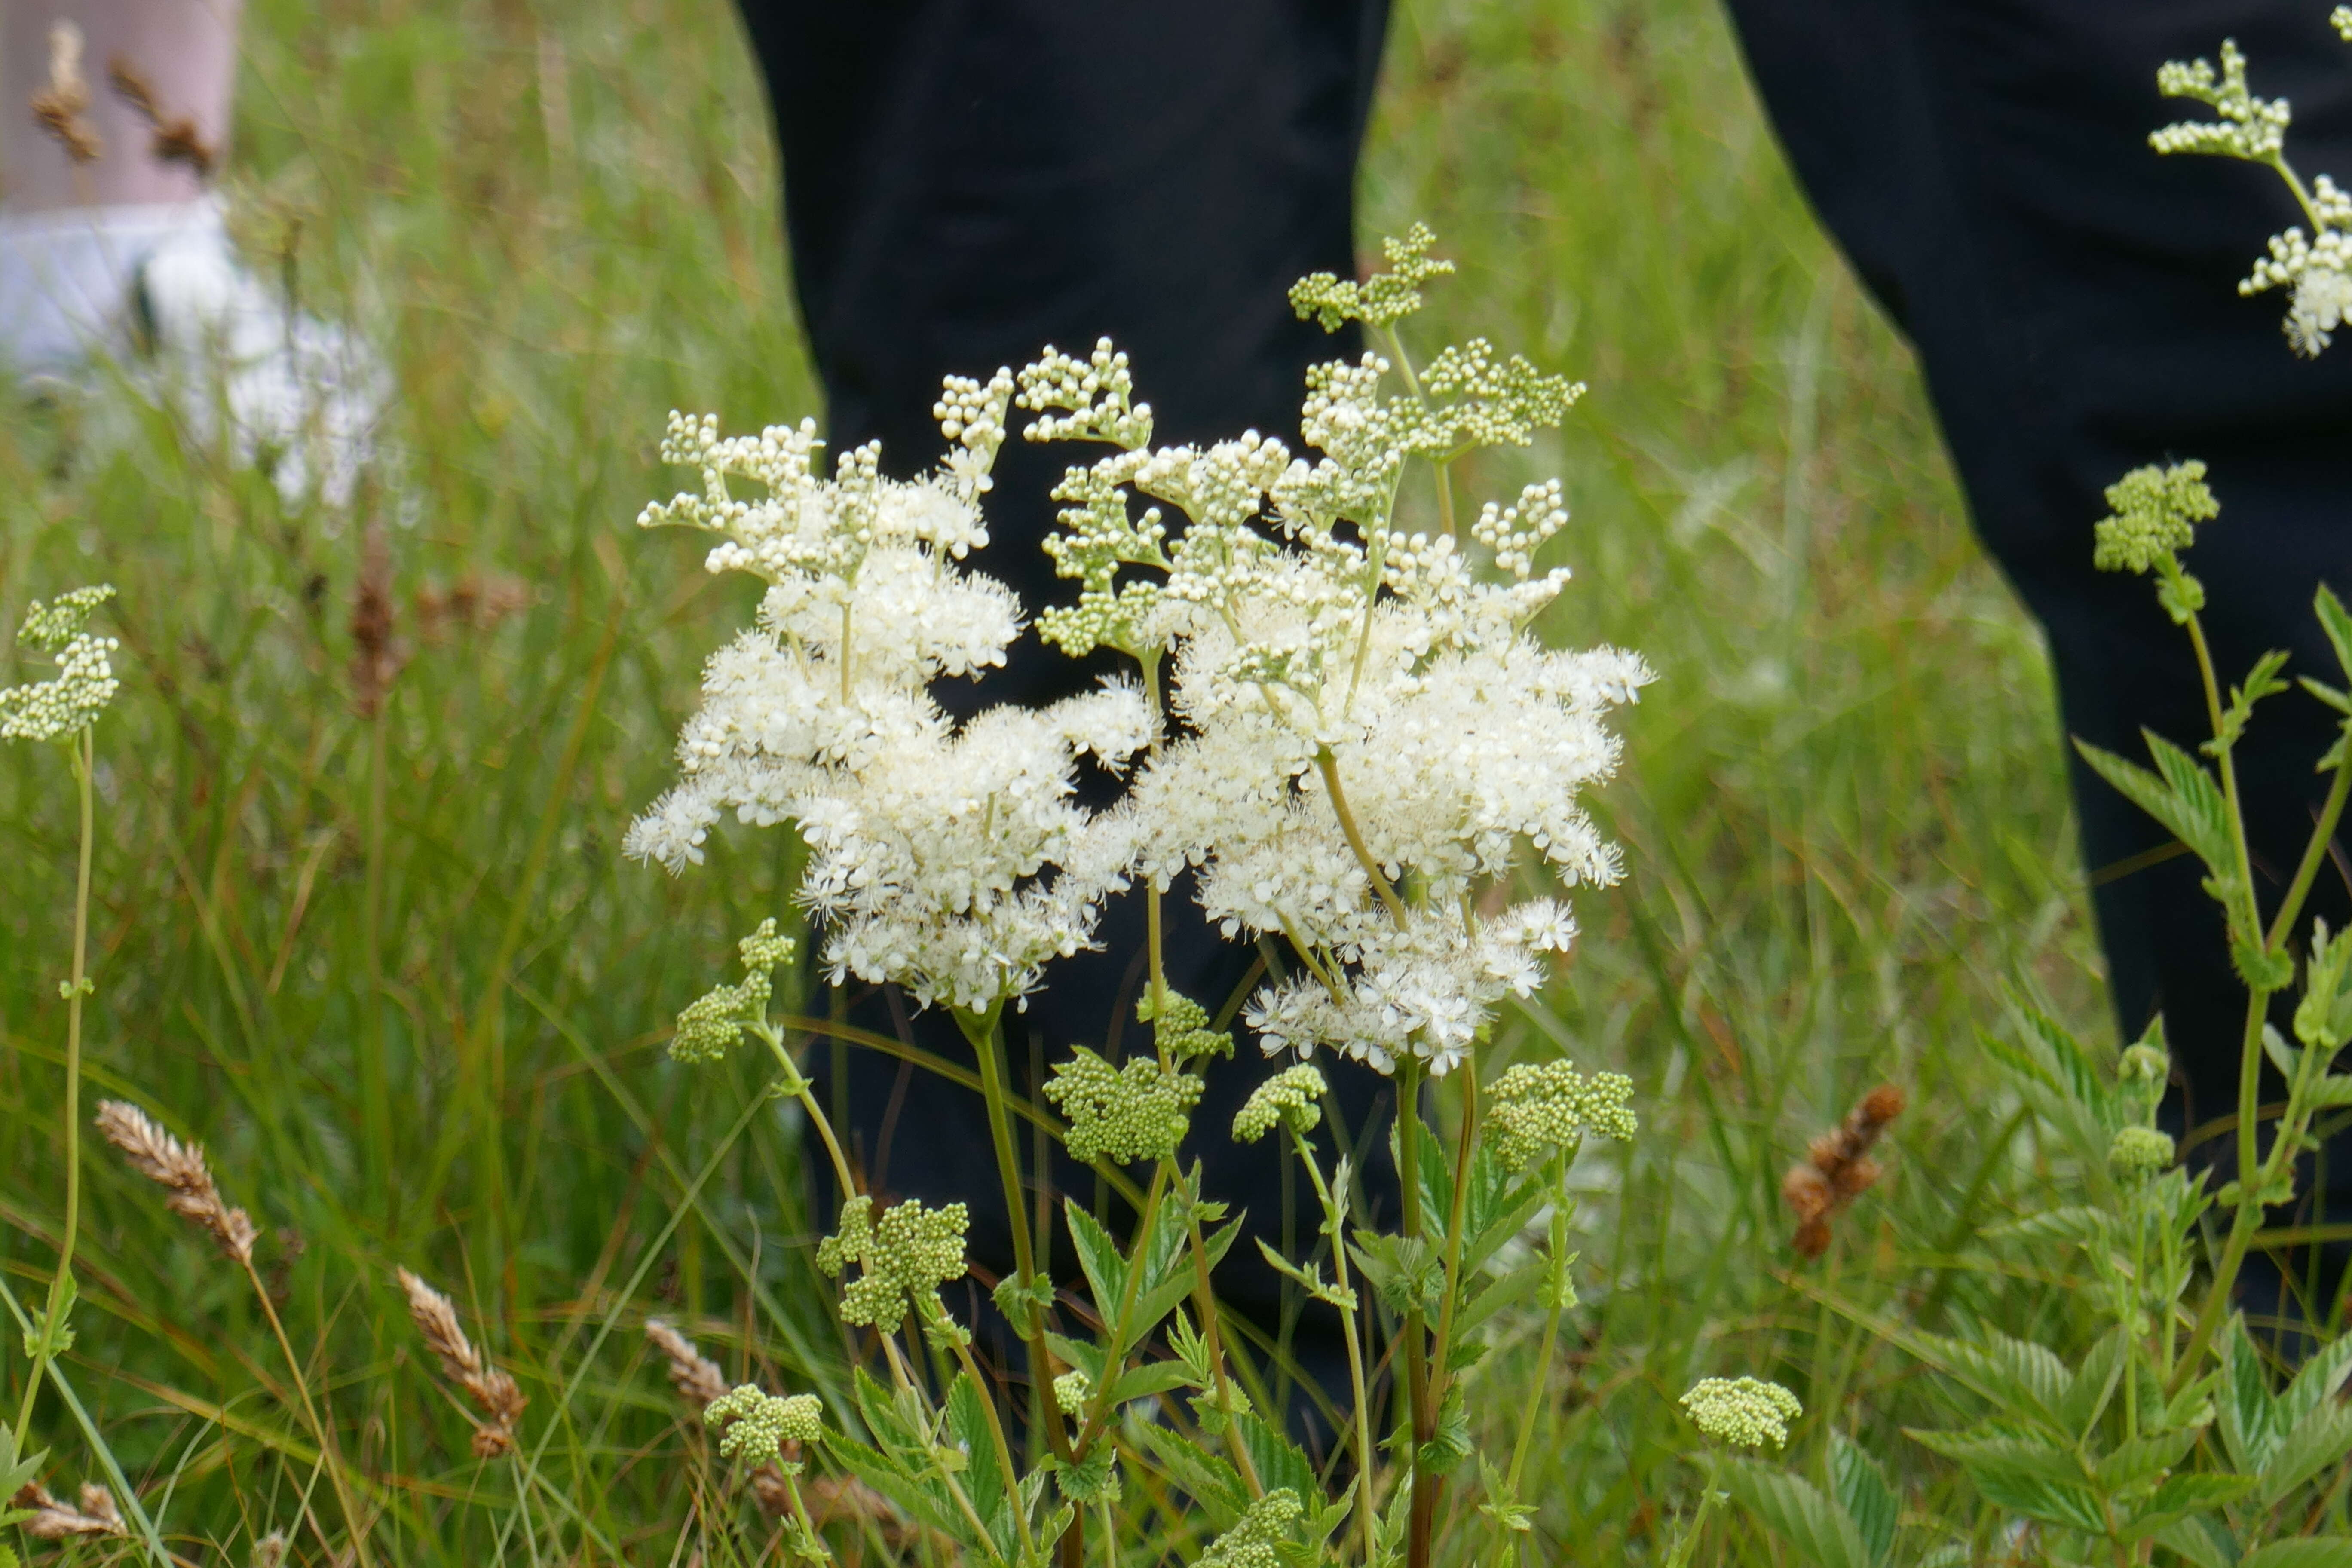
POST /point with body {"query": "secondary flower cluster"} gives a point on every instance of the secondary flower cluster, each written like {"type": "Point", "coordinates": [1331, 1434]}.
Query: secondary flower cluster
{"type": "Point", "coordinates": [85, 683]}
{"type": "Point", "coordinates": [2318, 268]}
{"type": "Point", "coordinates": [1539, 1108]}
{"type": "Point", "coordinates": [904, 1258]}
{"type": "Point", "coordinates": [949, 858]}
{"type": "Point", "coordinates": [755, 1424]}
{"type": "Point", "coordinates": [1745, 1412]}
{"type": "Point", "coordinates": [1359, 731]}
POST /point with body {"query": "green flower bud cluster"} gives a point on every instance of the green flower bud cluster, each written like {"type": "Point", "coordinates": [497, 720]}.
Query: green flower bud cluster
{"type": "Point", "coordinates": [1099, 392]}
{"type": "Point", "coordinates": [754, 1425]}
{"type": "Point", "coordinates": [1500, 404]}
{"type": "Point", "coordinates": [1072, 1390]}
{"type": "Point", "coordinates": [1252, 1540]}
{"type": "Point", "coordinates": [1292, 1097]}
{"type": "Point", "coordinates": [1381, 300]}
{"type": "Point", "coordinates": [2138, 1152]}
{"type": "Point", "coordinates": [1537, 1108]}
{"type": "Point", "coordinates": [2249, 127]}
{"type": "Point", "coordinates": [1181, 1029]}
{"type": "Point", "coordinates": [2341, 19]}
{"type": "Point", "coordinates": [1140, 1111]}
{"type": "Point", "coordinates": [709, 1026]}
{"type": "Point", "coordinates": [85, 683]}
{"type": "Point", "coordinates": [1747, 1412]}
{"type": "Point", "coordinates": [2153, 513]}
{"type": "Point", "coordinates": [905, 1258]}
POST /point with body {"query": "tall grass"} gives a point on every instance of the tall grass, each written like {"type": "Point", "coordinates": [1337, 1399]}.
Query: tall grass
{"type": "Point", "coordinates": [395, 975]}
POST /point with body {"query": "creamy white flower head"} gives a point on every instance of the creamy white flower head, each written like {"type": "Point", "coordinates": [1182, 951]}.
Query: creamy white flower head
{"type": "Point", "coordinates": [1745, 1412]}
{"type": "Point", "coordinates": [955, 862]}
{"type": "Point", "coordinates": [85, 682]}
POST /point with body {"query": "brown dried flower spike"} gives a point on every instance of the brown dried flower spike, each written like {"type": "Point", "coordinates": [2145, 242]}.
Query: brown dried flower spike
{"type": "Point", "coordinates": [492, 1391]}
{"type": "Point", "coordinates": [179, 1169]}
{"type": "Point", "coordinates": [1838, 1169]}
{"type": "Point", "coordinates": [53, 1519]}
{"type": "Point", "coordinates": [177, 138]}
{"type": "Point", "coordinates": [59, 108]}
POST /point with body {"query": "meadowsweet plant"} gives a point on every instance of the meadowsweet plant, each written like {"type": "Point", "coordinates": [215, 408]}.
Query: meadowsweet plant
{"type": "Point", "coordinates": [64, 710]}
{"type": "Point", "coordinates": [1344, 724]}
{"type": "Point", "coordinates": [2315, 269]}
{"type": "Point", "coordinates": [2167, 1431]}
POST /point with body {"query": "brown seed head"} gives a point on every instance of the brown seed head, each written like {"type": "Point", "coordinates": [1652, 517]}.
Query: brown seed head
{"type": "Point", "coordinates": [59, 108]}
{"type": "Point", "coordinates": [695, 1376]}
{"type": "Point", "coordinates": [1837, 1168]}
{"type": "Point", "coordinates": [493, 1391]}
{"type": "Point", "coordinates": [179, 1169]}
{"type": "Point", "coordinates": [177, 139]}
{"type": "Point", "coordinates": [53, 1519]}
{"type": "Point", "coordinates": [376, 655]}
{"type": "Point", "coordinates": [269, 1552]}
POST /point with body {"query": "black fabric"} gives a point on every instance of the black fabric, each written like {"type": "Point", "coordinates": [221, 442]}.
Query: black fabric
{"type": "Point", "coordinates": [2073, 298]}
{"type": "Point", "coordinates": [965, 184]}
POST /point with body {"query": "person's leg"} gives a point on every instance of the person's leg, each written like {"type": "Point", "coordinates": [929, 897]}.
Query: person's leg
{"type": "Point", "coordinates": [178, 55]}
{"type": "Point", "coordinates": [965, 184]}
{"type": "Point", "coordinates": [2073, 298]}
{"type": "Point", "coordinates": [141, 90]}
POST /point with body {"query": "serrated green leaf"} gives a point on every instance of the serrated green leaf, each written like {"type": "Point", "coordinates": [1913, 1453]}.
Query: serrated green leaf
{"type": "Point", "coordinates": [2051, 1503]}
{"type": "Point", "coordinates": [2189, 820]}
{"type": "Point", "coordinates": [2078, 1223]}
{"type": "Point", "coordinates": [1509, 1290]}
{"type": "Point", "coordinates": [2336, 622]}
{"type": "Point", "coordinates": [2317, 1441]}
{"type": "Point", "coordinates": [2027, 1380]}
{"type": "Point", "coordinates": [1099, 1257]}
{"type": "Point", "coordinates": [2319, 1381]}
{"type": "Point", "coordinates": [2195, 1539]}
{"type": "Point", "coordinates": [1795, 1511]}
{"type": "Point", "coordinates": [923, 1497]}
{"type": "Point", "coordinates": [2245, 1410]}
{"type": "Point", "coordinates": [985, 1480]}
{"type": "Point", "coordinates": [1860, 1489]}
{"type": "Point", "coordinates": [1083, 1355]}
{"type": "Point", "coordinates": [1152, 1377]}
{"type": "Point", "coordinates": [2086, 1082]}
{"type": "Point", "coordinates": [1278, 1463]}
{"type": "Point", "coordinates": [2094, 1383]}
{"type": "Point", "coordinates": [2178, 1498]}
{"type": "Point", "coordinates": [1213, 1485]}
{"type": "Point", "coordinates": [2306, 1551]}
{"type": "Point", "coordinates": [2143, 1459]}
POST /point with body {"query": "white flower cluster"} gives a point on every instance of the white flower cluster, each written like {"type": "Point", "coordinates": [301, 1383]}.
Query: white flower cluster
{"type": "Point", "coordinates": [2318, 268]}
{"type": "Point", "coordinates": [1370, 730]}
{"type": "Point", "coordinates": [1366, 730]}
{"type": "Point", "coordinates": [85, 683]}
{"type": "Point", "coordinates": [948, 858]}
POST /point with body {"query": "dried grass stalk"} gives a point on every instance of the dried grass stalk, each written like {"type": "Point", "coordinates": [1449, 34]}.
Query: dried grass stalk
{"type": "Point", "coordinates": [59, 108]}
{"type": "Point", "coordinates": [180, 1170]}
{"type": "Point", "coordinates": [177, 139]}
{"type": "Point", "coordinates": [695, 1376]}
{"type": "Point", "coordinates": [1838, 1169]}
{"type": "Point", "coordinates": [53, 1519]}
{"type": "Point", "coordinates": [492, 1391]}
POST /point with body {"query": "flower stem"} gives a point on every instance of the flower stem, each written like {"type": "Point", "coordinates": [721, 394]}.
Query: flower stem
{"type": "Point", "coordinates": [329, 1451]}
{"type": "Point", "coordinates": [1327, 766]}
{"type": "Point", "coordinates": [979, 1029]}
{"type": "Point", "coordinates": [1416, 1346]}
{"type": "Point", "coordinates": [1360, 1433]}
{"type": "Point", "coordinates": [85, 758]}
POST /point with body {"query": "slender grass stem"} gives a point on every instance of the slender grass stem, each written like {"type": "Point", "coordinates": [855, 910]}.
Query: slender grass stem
{"type": "Point", "coordinates": [329, 1453]}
